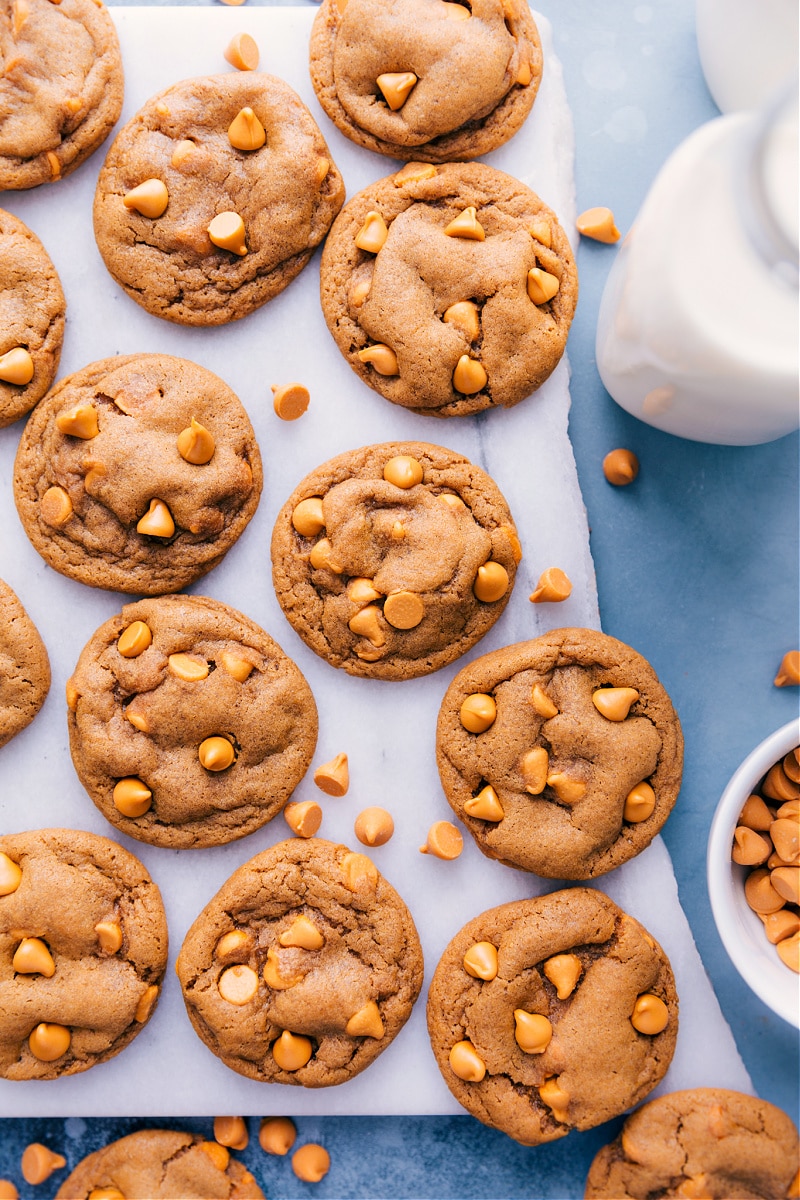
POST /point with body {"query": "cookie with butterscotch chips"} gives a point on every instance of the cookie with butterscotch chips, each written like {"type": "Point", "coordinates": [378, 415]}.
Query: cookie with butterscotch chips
{"type": "Point", "coordinates": [24, 666]}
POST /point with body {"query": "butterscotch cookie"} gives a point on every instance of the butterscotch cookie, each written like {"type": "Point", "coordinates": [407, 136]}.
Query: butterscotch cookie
{"type": "Point", "coordinates": [562, 755]}
{"type": "Point", "coordinates": [425, 79]}
{"type": "Point", "coordinates": [706, 1142]}
{"type": "Point", "coordinates": [32, 309]}
{"type": "Point", "coordinates": [137, 473]}
{"type": "Point", "coordinates": [392, 560]}
{"type": "Point", "coordinates": [449, 289]}
{"type": "Point", "coordinates": [159, 1164]}
{"type": "Point", "coordinates": [303, 967]}
{"type": "Point", "coordinates": [60, 88]}
{"type": "Point", "coordinates": [188, 725]}
{"type": "Point", "coordinates": [214, 197]}
{"type": "Point", "coordinates": [84, 949]}
{"type": "Point", "coordinates": [552, 1014]}
{"type": "Point", "coordinates": [24, 666]}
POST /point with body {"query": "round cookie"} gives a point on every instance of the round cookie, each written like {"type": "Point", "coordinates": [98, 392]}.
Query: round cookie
{"type": "Point", "coordinates": [392, 560]}
{"type": "Point", "coordinates": [61, 88]}
{"type": "Point", "coordinates": [84, 949]}
{"type": "Point", "coordinates": [461, 78]}
{"type": "Point", "coordinates": [185, 144]}
{"type": "Point", "coordinates": [137, 473]}
{"type": "Point", "coordinates": [188, 725]}
{"type": "Point", "coordinates": [32, 309]}
{"type": "Point", "coordinates": [449, 289]}
{"type": "Point", "coordinates": [531, 1011]}
{"type": "Point", "coordinates": [707, 1142]}
{"type": "Point", "coordinates": [543, 778]}
{"type": "Point", "coordinates": [161, 1164]}
{"type": "Point", "coordinates": [303, 967]}
{"type": "Point", "coordinates": [24, 666]}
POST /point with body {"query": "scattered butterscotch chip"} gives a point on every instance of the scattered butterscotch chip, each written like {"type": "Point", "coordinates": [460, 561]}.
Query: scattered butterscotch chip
{"type": "Point", "coordinates": [231, 1131]}
{"type": "Point", "coordinates": [290, 400]}
{"type": "Point", "coordinates": [233, 3]}
{"type": "Point", "coordinates": [789, 670]}
{"type": "Point", "coordinates": [8, 1190]}
{"type": "Point", "coordinates": [620, 467]}
{"type": "Point", "coordinates": [276, 1135]}
{"type": "Point", "coordinates": [242, 52]}
{"type": "Point", "coordinates": [598, 224]}
{"type": "Point", "coordinates": [303, 817]}
{"type": "Point", "coordinates": [554, 586]}
{"type": "Point", "coordinates": [311, 1162]}
{"type": "Point", "coordinates": [374, 826]}
{"type": "Point", "coordinates": [333, 777]}
{"type": "Point", "coordinates": [39, 1162]}
{"type": "Point", "coordinates": [443, 841]}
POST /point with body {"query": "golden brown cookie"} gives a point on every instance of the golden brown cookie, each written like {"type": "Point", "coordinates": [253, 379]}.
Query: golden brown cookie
{"type": "Point", "coordinates": [449, 289]}
{"type": "Point", "coordinates": [159, 1164]}
{"type": "Point", "coordinates": [214, 197]}
{"type": "Point", "coordinates": [562, 755]}
{"type": "Point", "coordinates": [552, 1014]}
{"type": "Point", "coordinates": [707, 1142]}
{"type": "Point", "coordinates": [137, 473]}
{"type": "Point", "coordinates": [429, 79]}
{"type": "Point", "coordinates": [392, 560]}
{"type": "Point", "coordinates": [60, 87]}
{"type": "Point", "coordinates": [24, 666]}
{"type": "Point", "coordinates": [188, 724]}
{"type": "Point", "coordinates": [84, 941]}
{"type": "Point", "coordinates": [303, 967]}
{"type": "Point", "coordinates": [32, 308]}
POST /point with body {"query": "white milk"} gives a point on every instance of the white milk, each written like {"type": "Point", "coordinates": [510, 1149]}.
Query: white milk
{"type": "Point", "coordinates": [746, 48]}
{"type": "Point", "coordinates": [698, 326]}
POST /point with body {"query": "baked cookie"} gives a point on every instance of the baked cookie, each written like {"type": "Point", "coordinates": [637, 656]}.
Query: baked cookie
{"type": "Point", "coordinates": [706, 1142]}
{"type": "Point", "coordinates": [214, 197]}
{"type": "Point", "coordinates": [137, 473]}
{"type": "Point", "coordinates": [60, 88]}
{"type": "Point", "coordinates": [552, 1014]}
{"type": "Point", "coordinates": [303, 967]}
{"type": "Point", "coordinates": [32, 309]}
{"type": "Point", "coordinates": [562, 755]}
{"type": "Point", "coordinates": [439, 81]}
{"type": "Point", "coordinates": [84, 949]}
{"type": "Point", "coordinates": [449, 289]}
{"type": "Point", "coordinates": [188, 725]}
{"type": "Point", "coordinates": [159, 1164]}
{"type": "Point", "coordinates": [392, 560]}
{"type": "Point", "coordinates": [24, 666]}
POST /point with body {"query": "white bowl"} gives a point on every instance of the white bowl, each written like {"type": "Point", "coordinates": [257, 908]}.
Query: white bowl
{"type": "Point", "coordinates": [741, 931]}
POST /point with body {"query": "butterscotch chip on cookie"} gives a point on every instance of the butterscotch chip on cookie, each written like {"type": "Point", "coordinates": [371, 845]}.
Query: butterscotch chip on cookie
{"type": "Point", "coordinates": [161, 1164]}
{"type": "Point", "coordinates": [61, 87]}
{"type": "Point", "coordinates": [84, 941]}
{"type": "Point", "coordinates": [708, 1142]}
{"type": "Point", "coordinates": [188, 724]}
{"type": "Point", "coordinates": [214, 197]}
{"type": "Point", "coordinates": [449, 289]}
{"type": "Point", "coordinates": [552, 1014]}
{"type": "Point", "coordinates": [429, 79]}
{"type": "Point", "coordinates": [32, 310]}
{"type": "Point", "coordinates": [392, 560]}
{"type": "Point", "coordinates": [137, 473]}
{"type": "Point", "coordinates": [24, 666]}
{"type": "Point", "coordinates": [578, 762]}
{"type": "Point", "coordinates": [303, 967]}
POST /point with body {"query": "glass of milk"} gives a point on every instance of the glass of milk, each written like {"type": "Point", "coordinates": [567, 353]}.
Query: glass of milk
{"type": "Point", "coordinates": [697, 332]}
{"type": "Point", "coordinates": [746, 47]}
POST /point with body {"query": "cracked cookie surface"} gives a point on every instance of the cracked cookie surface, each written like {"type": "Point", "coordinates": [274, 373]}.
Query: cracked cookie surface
{"type": "Point", "coordinates": [24, 666]}
{"type": "Point", "coordinates": [283, 186]}
{"type": "Point", "coordinates": [380, 557]}
{"type": "Point", "coordinates": [188, 724]}
{"type": "Point", "coordinates": [303, 967]}
{"type": "Point", "coordinates": [449, 289]}
{"type": "Point", "coordinates": [137, 473]}
{"type": "Point", "coordinates": [530, 1014]}
{"type": "Point", "coordinates": [549, 782]}
{"type": "Point", "coordinates": [461, 78]}
{"type": "Point", "coordinates": [83, 941]}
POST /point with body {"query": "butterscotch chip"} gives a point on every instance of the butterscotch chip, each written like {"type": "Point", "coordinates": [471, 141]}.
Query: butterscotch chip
{"type": "Point", "coordinates": [83, 1011]}
{"type": "Point", "coordinates": [115, 482]}
{"type": "Point", "coordinates": [24, 666]}
{"type": "Point", "coordinates": [296, 1033]}
{"type": "Point", "coordinates": [276, 1135]}
{"type": "Point", "coordinates": [385, 587]}
{"type": "Point", "coordinates": [311, 1162]}
{"type": "Point", "coordinates": [242, 52]}
{"type": "Point", "coordinates": [303, 818]}
{"type": "Point", "coordinates": [444, 840]}
{"type": "Point", "coordinates": [567, 814]}
{"type": "Point", "coordinates": [730, 1143]}
{"type": "Point", "coordinates": [333, 777]}
{"type": "Point", "coordinates": [161, 1163]}
{"type": "Point", "coordinates": [598, 224]}
{"type": "Point", "coordinates": [406, 82]}
{"type": "Point", "coordinates": [171, 266]}
{"type": "Point", "coordinates": [440, 368]}
{"type": "Point", "coordinates": [542, 1090]}
{"type": "Point", "coordinates": [374, 826]}
{"type": "Point", "coordinates": [39, 1162]}
{"type": "Point", "coordinates": [290, 400]}
{"type": "Point", "coordinates": [620, 467]}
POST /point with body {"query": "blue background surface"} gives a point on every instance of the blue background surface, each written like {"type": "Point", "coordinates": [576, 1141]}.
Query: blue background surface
{"type": "Point", "coordinates": [697, 567]}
